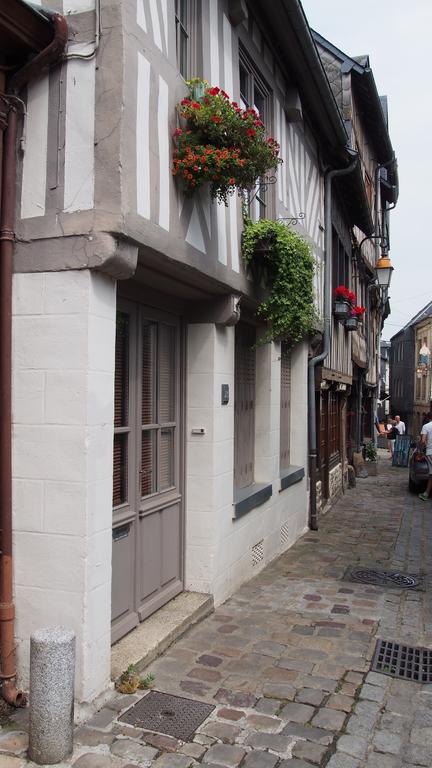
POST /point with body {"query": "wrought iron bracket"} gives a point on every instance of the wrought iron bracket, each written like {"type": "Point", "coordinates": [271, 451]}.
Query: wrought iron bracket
{"type": "Point", "coordinates": [260, 187]}
{"type": "Point", "coordinates": [292, 219]}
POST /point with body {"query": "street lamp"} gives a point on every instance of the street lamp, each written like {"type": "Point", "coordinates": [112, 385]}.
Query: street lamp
{"type": "Point", "coordinates": [383, 272]}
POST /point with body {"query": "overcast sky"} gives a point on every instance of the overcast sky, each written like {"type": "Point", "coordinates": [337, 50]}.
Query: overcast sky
{"type": "Point", "coordinates": [396, 35]}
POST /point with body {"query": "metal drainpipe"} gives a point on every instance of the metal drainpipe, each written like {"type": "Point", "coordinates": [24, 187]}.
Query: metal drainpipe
{"type": "Point", "coordinates": [43, 60]}
{"type": "Point", "coordinates": [314, 361]}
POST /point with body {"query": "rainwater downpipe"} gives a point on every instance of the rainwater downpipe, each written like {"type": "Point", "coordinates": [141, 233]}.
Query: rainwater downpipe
{"type": "Point", "coordinates": [314, 361]}
{"type": "Point", "coordinates": [38, 64]}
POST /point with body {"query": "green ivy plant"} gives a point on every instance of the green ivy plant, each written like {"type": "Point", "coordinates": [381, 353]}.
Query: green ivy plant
{"type": "Point", "coordinates": [282, 259]}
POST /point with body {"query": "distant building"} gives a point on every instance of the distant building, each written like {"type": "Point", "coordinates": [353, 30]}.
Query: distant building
{"type": "Point", "coordinates": [410, 370]}
{"type": "Point", "coordinates": [422, 373]}
{"type": "Point", "coordinates": [384, 381]}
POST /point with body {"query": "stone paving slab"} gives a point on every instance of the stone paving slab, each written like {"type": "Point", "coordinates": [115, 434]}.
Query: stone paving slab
{"type": "Point", "coordinates": [286, 660]}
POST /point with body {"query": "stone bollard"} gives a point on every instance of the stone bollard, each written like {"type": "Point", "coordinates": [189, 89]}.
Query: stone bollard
{"type": "Point", "coordinates": [52, 673]}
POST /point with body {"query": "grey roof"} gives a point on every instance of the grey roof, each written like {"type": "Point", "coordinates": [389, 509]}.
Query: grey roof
{"type": "Point", "coordinates": [422, 315]}
{"type": "Point", "coordinates": [372, 106]}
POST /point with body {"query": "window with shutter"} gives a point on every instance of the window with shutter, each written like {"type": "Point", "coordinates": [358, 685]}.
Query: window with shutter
{"type": "Point", "coordinates": [182, 22]}
{"type": "Point", "coordinates": [285, 408]}
{"type": "Point", "coordinates": [333, 424]}
{"type": "Point", "coordinates": [244, 405]}
{"type": "Point", "coordinates": [158, 406]}
{"type": "Point", "coordinates": [147, 498]}
{"type": "Point", "coordinates": [255, 94]}
{"type": "Point", "coordinates": [121, 410]}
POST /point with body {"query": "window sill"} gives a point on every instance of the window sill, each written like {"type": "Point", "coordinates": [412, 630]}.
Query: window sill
{"type": "Point", "coordinates": [290, 477]}
{"type": "Point", "coordinates": [246, 499]}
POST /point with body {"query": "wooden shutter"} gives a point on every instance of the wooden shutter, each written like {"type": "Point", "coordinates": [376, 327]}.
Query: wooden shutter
{"type": "Point", "coordinates": [167, 404]}
{"type": "Point", "coordinates": [244, 405]}
{"type": "Point", "coordinates": [121, 409]}
{"type": "Point", "coordinates": [285, 408]}
{"type": "Point", "coordinates": [333, 423]}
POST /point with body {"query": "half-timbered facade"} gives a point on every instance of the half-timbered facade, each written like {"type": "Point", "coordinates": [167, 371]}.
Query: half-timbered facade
{"type": "Point", "coordinates": [156, 448]}
{"type": "Point", "coordinates": [360, 234]}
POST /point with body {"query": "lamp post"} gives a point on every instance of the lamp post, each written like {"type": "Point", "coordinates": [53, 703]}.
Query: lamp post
{"type": "Point", "coordinates": [383, 272]}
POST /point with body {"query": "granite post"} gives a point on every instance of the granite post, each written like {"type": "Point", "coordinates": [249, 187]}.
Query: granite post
{"type": "Point", "coordinates": [52, 676]}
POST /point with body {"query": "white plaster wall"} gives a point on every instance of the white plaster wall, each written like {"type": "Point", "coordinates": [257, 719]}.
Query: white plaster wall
{"type": "Point", "coordinates": [219, 548]}
{"type": "Point", "coordinates": [63, 368]}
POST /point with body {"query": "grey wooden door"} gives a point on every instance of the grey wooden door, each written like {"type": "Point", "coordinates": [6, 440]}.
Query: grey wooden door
{"type": "Point", "coordinates": [147, 559]}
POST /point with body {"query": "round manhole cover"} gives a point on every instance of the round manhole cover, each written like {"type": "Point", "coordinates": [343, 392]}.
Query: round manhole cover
{"type": "Point", "coordinates": [404, 580]}
{"type": "Point", "coordinates": [376, 577]}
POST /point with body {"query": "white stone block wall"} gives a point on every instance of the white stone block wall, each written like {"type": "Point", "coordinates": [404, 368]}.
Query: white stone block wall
{"type": "Point", "coordinates": [218, 547]}
{"type": "Point", "coordinates": [335, 482]}
{"type": "Point", "coordinates": [63, 386]}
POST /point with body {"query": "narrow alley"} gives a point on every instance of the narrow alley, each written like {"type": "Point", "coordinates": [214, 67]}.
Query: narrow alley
{"type": "Point", "coordinates": [285, 662]}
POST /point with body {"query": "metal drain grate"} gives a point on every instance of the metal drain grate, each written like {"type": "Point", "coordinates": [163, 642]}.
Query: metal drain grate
{"type": "Point", "coordinates": [172, 715]}
{"type": "Point", "coordinates": [389, 579]}
{"type": "Point", "coordinates": [404, 661]}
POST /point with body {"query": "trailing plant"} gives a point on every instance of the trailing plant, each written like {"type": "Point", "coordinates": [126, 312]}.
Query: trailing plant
{"type": "Point", "coordinates": [130, 680]}
{"type": "Point", "coordinates": [287, 266]}
{"type": "Point", "coordinates": [371, 452]}
{"type": "Point", "coordinates": [221, 144]}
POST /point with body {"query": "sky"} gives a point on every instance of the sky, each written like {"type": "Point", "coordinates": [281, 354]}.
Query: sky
{"type": "Point", "coordinates": [397, 37]}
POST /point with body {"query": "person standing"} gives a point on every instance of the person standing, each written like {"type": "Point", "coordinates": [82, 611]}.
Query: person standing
{"type": "Point", "coordinates": [391, 432]}
{"type": "Point", "coordinates": [426, 440]}
{"type": "Point", "coordinates": [400, 425]}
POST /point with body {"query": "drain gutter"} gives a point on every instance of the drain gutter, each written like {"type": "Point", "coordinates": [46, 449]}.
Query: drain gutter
{"type": "Point", "coordinates": [314, 361]}
{"type": "Point", "coordinates": [40, 62]}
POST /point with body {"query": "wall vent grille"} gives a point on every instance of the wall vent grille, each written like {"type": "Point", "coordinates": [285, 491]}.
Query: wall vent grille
{"type": "Point", "coordinates": [285, 535]}
{"type": "Point", "coordinates": [258, 552]}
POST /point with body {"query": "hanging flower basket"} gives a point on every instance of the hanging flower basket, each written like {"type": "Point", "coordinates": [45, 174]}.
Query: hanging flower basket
{"type": "Point", "coordinates": [344, 303]}
{"type": "Point", "coordinates": [356, 315]}
{"type": "Point", "coordinates": [351, 323]}
{"type": "Point", "coordinates": [342, 309]}
{"type": "Point", "coordinates": [220, 144]}
{"type": "Point", "coordinates": [281, 260]}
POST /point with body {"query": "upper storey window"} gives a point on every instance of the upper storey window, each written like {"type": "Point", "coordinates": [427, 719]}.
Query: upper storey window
{"type": "Point", "coordinates": [255, 95]}
{"type": "Point", "coordinates": [182, 22]}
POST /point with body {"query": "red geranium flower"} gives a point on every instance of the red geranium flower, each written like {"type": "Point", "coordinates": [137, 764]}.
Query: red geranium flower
{"type": "Point", "coordinates": [251, 132]}
{"type": "Point", "coordinates": [195, 105]}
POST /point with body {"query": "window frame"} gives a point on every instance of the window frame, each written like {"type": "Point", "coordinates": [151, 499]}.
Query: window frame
{"type": "Point", "coordinates": [189, 29]}
{"type": "Point", "coordinates": [140, 314]}
{"type": "Point", "coordinates": [241, 423]}
{"type": "Point", "coordinates": [285, 419]}
{"type": "Point", "coordinates": [182, 27]}
{"type": "Point", "coordinates": [263, 200]}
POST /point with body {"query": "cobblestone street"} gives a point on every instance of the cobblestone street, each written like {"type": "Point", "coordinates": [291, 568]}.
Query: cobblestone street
{"type": "Point", "coordinates": [286, 660]}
